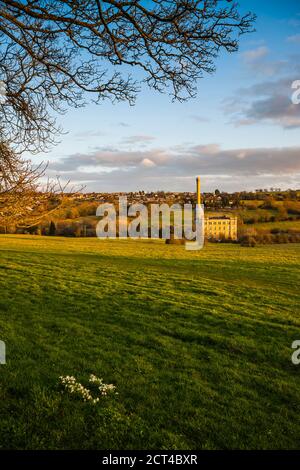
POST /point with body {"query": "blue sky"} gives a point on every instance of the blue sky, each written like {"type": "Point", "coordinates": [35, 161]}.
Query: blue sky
{"type": "Point", "coordinates": [240, 132]}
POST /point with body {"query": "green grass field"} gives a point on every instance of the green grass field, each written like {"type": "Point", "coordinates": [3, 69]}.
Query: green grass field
{"type": "Point", "coordinates": [280, 225]}
{"type": "Point", "coordinates": [197, 343]}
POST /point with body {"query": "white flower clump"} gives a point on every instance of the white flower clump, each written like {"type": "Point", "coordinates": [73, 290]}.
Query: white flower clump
{"type": "Point", "coordinates": [103, 388]}
{"type": "Point", "coordinates": [72, 386]}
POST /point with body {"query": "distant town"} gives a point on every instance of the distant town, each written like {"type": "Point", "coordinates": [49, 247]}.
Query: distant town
{"type": "Point", "coordinates": [214, 200]}
{"type": "Point", "coordinates": [263, 216]}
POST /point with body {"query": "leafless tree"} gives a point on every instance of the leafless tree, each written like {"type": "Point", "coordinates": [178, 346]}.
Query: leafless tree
{"type": "Point", "coordinates": [23, 201]}
{"type": "Point", "coordinates": [54, 52]}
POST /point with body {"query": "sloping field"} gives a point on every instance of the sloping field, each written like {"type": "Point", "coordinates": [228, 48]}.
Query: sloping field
{"type": "Point", "coordinates": [281, 225]}
{"type": "Point", "coordinates": [197, 343]}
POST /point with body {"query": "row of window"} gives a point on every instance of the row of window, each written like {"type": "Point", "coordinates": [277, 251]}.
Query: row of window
{"type": "Point", "coordinates": [220, 223]}
{"type": "Point", "coordinates": [223, 231]}
{"type": "Point", "coordinates": [228, 229]}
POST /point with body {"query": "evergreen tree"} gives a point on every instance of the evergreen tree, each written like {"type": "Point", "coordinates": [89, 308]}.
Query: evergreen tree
{"type": "Point", "coordinates": [52, 228]}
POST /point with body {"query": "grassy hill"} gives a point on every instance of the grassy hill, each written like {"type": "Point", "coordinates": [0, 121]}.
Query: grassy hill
{"type": "Point", "coordinates": [280, 225]}
{"type": "Point", "coordinates": [197, 343]}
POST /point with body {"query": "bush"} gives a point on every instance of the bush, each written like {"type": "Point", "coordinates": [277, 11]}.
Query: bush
{"type": "Point", "coordinates": [66, 229]}
{"type": "Point", "coordinates": [87, 209]}
{"type": "Point", "coordinates": [71, 213]}
{"type": "Point", "coordinates": [292, 207]}
{"type": "Point", "coordinates": [277, 236]}
{"type": "Point", "coordinates": [248, 241]}
{"type": "Point", "coordinates": [52, 228]}
{"type": "Point", "coordinates": [267, 239]}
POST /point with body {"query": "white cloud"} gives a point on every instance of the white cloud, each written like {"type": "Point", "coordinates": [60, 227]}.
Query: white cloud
{"type": "Point", "coordinates": [146, 162]}
{"type": "Point", "coordinates": [255, 54]}
{"type": "Point", "coordinates": [256, 62]}
{"type": "Point", "coordinates": [176, 168]}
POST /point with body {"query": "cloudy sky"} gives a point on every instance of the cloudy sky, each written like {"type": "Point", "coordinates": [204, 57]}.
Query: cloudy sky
{"type": "Point", "coordinates": [241, 132]}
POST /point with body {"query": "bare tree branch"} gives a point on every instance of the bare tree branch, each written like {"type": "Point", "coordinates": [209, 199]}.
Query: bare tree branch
{"type": "Point", "coordinates": [24, 201]}
{"type": "Point", "coordinates": [54, 52]}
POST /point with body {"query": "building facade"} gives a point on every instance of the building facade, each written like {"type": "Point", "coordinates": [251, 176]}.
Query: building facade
{"type": "Point", "coordinates": [221, 227]}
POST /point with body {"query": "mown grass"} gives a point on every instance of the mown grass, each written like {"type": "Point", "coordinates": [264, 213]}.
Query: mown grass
{"type": "Point", "coordinates": [197, 343]}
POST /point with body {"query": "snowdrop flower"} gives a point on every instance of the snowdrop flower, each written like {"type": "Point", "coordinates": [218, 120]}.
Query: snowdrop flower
{"type": "Point", "coordinates": [72, 386]}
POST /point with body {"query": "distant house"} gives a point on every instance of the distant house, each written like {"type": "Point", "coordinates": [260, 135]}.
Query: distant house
{"type": "Point", "coordinates": [221, 227]}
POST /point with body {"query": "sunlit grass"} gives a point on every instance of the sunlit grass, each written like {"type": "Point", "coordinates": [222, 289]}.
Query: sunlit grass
{"type": "Point", "coordinates": [198, 344]}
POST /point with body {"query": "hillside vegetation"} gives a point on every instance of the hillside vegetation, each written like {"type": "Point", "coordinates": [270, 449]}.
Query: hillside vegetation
{"type": "Point", "coordinates": [263, 217]}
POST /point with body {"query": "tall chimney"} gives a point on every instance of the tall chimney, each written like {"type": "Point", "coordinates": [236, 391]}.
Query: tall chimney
{"type": "Point", "coordinates": [198, 190]}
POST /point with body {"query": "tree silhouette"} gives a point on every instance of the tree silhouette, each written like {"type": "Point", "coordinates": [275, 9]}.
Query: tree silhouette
{"type": "Point", "coordinates": [54, 52]}
{"type": "Point", "coordinates": [22, 200]}
{"type": "Point", "coordinates": [52, 228]}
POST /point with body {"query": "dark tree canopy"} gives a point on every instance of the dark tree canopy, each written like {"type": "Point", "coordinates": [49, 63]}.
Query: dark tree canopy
{"type": "Point", "coordinates": [53, 52]}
